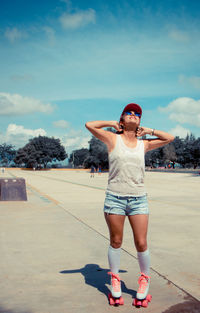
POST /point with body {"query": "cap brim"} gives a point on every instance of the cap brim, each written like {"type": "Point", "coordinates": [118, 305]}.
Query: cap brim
{"type": "Point", "coordinates": [132, 107]}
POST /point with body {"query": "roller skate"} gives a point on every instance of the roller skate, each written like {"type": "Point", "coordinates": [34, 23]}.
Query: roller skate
{"type": "Point", "coordinates": [142, 296]}
{"type": "Point", "coordinates": [114, 296]}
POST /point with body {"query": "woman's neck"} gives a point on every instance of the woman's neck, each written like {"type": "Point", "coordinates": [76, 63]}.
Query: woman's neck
{"type": "Point", "coordinates": [129, 134]}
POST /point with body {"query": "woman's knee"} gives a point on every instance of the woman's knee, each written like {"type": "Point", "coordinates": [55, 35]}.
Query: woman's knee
{"type": "Point", "coordinates": [141, 245]}
{"type": "Point", "coordinates": [116, 242]}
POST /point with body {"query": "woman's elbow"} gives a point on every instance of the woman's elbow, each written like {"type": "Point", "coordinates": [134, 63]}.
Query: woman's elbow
{"type": "Point", "coordinates": [171, 138]}
{"type": "Point", "coordinates": [87, 125]}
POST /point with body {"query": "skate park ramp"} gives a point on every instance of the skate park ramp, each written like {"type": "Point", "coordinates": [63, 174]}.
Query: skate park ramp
{"type": "Point", "coordinates": [54, 246]}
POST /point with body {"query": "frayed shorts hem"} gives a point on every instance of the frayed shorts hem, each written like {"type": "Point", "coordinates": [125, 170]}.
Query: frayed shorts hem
{"type": "Point", "coordinates": [126, 205]}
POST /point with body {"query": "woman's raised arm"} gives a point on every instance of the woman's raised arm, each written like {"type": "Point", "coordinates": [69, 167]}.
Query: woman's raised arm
{"type": "Point", "coordinates": [95, 127]}
{"type": "Point", "coordinates": [162, 139]}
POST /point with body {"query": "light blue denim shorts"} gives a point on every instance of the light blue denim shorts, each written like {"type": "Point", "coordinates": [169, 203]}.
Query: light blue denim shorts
{"type": "Point", "coordinates": [125, 205]}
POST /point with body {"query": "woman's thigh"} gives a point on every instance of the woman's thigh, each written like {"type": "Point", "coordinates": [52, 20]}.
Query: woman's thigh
{"type": "Point", "coordinates": [115, 224]}
{"type": "Point", "coordinates": [139, 225]}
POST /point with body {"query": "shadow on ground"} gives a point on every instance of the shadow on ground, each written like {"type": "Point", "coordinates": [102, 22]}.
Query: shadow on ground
{"type": "Point", "coordinates": [3, 310]}
{"type": "Point", "coordinates": [191, 306]}
{"type": "Point", "coordinates": [98, 278]}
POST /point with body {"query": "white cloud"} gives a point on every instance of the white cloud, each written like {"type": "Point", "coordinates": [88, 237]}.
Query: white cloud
{"type": "Point", "coordinates": [16, 130]}
{"type": "Point", "coordinates": [184, 110]}
{"type": "Point", "coordinates": [84, 141]}
{"type": "Point", "coordinates": [18, 136]}
{"type": "Point", "coordinates": [194, 81]}
{"type": "Point", "coordinates": [61, 124]}
{"type": "Point", "coordinates": [75, 140]}
{"type": "Point", "coordinates": [179, 35]}
{"type": "Point", "coordinates": [180, 131]}
{"type": "Point", "coordinates": [14, 34]}
{"type": "Point", "coordinates": [14, 104]}
{"type": "Point", "coordinates": [77, 20]}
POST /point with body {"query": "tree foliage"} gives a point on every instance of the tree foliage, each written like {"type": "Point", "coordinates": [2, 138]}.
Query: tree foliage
{"type": "Point", "coordinates": [7, 154]}
{"type": "Point", "coordinates": [185, 152]}
{"type": "Point", "coordinates": [77, 157]}
{"type": "Point", "coordinates": [96, 155]}
{"type": "Point", "coordinates": [40, 151]}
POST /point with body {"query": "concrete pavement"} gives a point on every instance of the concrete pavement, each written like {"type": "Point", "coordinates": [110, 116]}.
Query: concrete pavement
{"type": "Point", "coordinates": [54, 246]}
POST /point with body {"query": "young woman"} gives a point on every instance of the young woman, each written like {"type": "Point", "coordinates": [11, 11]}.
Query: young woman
{"type": "Point", "coordinates": [126, 195]}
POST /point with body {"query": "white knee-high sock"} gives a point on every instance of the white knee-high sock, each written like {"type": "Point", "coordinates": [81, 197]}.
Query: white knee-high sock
{"type": "Point", "coordinates": [144, 261]}
{"type": "Point", "coordinates": [114, 259]}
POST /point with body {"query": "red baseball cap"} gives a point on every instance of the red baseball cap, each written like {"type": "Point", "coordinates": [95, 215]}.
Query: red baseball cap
{"type": "Point", "coordinates": [132, 107]}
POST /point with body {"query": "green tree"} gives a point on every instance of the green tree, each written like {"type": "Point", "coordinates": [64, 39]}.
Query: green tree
{"type": "Point", "coordinates": [40, 150]}
{"type": "Point", "coordinates": [154, 158]}
{"type": "Point", "coordinates": [178, 144]}
{"type": "Point", "coordinates": [98, 154]}
{"type": "Point", "coordinates": [183, 151]}
{"type": "Point", "coordinates": [189, 143]}
{"type": "Point", "coordinates": [195, 152]}
{"type": "Point", "coordinates": [77, 157]}
{"type": "Point", "coordinates": [7, 154]}
{"type": "Point", "coordinates": [169, 154]}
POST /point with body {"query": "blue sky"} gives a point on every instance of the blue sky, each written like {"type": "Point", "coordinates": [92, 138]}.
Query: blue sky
{"type": "Point", "coordinates": [65, 62]}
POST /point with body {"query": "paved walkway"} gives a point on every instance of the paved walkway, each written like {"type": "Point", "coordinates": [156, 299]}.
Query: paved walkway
{"type": "Point", "coordinates": [54, 246]}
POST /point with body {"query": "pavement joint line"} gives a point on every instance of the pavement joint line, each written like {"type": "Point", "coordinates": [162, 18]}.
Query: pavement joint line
{"type": "Point", "coordinates": [70, 182]}
{"type": "Point", "coordinates": [102, 235]}
{"type": "Point", "coordinates": [38, 192]}
{"type": "Point", "coordinates": [43, 194]}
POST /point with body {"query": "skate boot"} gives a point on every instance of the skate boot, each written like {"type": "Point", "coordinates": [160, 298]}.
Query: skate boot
{"type": "Point", "coordinates": [142, 297]}
{"type": "Point", "coordinates": [114, 296]}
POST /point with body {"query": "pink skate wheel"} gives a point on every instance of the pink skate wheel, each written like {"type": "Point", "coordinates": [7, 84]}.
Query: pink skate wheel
{"type": "Point", "coordinates": [137, 302]}
{"type": "Point", "coordinates": [145, 303]}
{"type": "Point", "coordinates": [111, 300]}
{"type": "Point", "coordinates": [121, 301]}
{"type": "Point", "coordinates": [149, 297]}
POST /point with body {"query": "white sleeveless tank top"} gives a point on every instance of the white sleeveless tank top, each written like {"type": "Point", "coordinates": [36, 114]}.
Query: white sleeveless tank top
{"type": "Point", "coordinates": [126, 169]}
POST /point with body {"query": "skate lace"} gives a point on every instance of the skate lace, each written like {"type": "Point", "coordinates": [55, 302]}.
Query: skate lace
{"type": "Point", "coordinates": [143, 283]}
{"type": "Point", "coordinates": [115, 280]}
